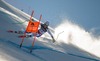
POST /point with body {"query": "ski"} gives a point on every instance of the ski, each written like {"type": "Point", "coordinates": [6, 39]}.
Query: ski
{"type": "Point", "coordinates": [25, 30]}
{"type": "Point", "coordinates": [35, 36]}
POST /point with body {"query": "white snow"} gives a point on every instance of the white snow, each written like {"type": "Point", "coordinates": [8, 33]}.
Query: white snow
{"type": "Point", "coordinates": [12, 18]}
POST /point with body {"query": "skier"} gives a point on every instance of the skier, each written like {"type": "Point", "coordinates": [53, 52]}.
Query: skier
{"type": "Point", "coordinates": [44, 28]}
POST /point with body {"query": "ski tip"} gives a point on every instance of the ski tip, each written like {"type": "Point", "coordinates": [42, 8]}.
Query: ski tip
{"type": "Point", "coordinates": [30, 51]}
{"type": "Point", "coordinates": [40, 17]}
{"type": "Point", "coordinates": [33, 11]}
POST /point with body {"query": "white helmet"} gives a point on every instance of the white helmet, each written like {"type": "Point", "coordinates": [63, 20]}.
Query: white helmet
{"type": "Point", "coordinates": [46, 23]}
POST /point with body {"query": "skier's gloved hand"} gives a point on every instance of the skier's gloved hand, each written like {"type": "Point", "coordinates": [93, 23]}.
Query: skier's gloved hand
{"type": "Point", "coordinates": [54, 40]}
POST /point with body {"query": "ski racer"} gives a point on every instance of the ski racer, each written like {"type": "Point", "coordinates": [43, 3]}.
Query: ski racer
{"type": "Point", "coordinates": [44, 28]}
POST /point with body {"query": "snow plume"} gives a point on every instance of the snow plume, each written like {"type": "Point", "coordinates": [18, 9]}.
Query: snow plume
{"type": "Point", "coordinates": [68, 32]}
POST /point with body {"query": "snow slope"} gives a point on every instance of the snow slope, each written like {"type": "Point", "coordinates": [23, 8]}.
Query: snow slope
{"type": "Point", "coordinates": [44, 50]}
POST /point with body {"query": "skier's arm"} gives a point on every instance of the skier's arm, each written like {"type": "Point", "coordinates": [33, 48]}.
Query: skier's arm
{"type": "Point", "coordinates": [51, 35]}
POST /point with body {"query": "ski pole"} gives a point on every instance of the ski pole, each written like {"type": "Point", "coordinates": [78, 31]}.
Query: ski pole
{"type": "Point", "coordinates": [59, 34]}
